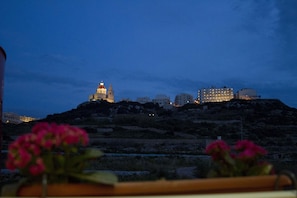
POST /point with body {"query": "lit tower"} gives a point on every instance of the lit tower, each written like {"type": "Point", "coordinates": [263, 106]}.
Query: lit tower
{"type": "Point", "coordinates": [110, 94]}
{"type": "Point", "coordinates": [101, 89]}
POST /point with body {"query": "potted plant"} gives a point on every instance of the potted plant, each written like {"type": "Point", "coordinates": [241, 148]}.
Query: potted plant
{"type": "Point", "coordinates": [52, 150]}
{"type": "Point", "coordinates": [55, 154]}
{"type": "Point", "coordinates": [243, 159]}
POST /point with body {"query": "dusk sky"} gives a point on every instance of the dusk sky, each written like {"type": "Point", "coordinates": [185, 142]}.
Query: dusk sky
{"type": "Point", "coordinates": [59, 50]}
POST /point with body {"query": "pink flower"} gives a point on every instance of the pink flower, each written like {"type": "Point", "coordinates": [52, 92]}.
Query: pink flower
{"type": "Point", "coordinates": [33, 148]}
{"type": "Point", "coordinates": [14, 146]}
{"type": "Point", "coordinates": [73, 135]}
{"type": "Point", "coordinates": [84, 138]}
{"type": "Point", "coordinates": [71, 139]}
{"type": "Point", "coordinates": [217, 146]}
{"type": "Point", "coordinates": [246, 154]}
{"type": "Point", "coordinates": [23, 159]}
{"type": "Point", "coordinates": [217, 149]}
{"type": "Point", "coordinates": [42, 126]}
{"type": "Point", "coordinates": [48, 144]}
{"type": "Point", "coordinates": [10, 162]}
{"type": "Point", "coordinates": [46, 139]}
{"type": "Point", "coordinates": [28, 151]}
{"type": "Point", "coordinates": [37, 168]}
{"type": "Point", "coordinates": [249, 150]}
{"type": "Point", "coordinates": [241, 160]}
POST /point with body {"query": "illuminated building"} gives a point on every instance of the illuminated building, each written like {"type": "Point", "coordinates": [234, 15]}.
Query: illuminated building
{"type": "Point", "coordinates": [103, 94]}
{"type": "Point", "coordinates": [215, 94]}
{"type": "Point", "coordinates": [247, 94]}
{"type": "Point", "coordinates": [14, 118]}
{"type": "Point", "coordinates": [182, 99]}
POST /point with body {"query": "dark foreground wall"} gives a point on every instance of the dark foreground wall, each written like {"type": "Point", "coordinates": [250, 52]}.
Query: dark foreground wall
{"type": "Point", "coordinates": [2, 61]}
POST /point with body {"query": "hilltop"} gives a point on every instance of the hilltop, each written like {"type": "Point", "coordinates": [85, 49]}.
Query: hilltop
{"type": "Point", "coordinates": [262, 120]}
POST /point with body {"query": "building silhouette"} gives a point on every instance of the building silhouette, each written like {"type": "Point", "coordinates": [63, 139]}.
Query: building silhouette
{"type": "Point", "coordinates": [143, 100]}
{"type": "Point", "coordinates": [182, 99]}
{"type": "Point", "coordinates": [163, 101]}
{"type": "Point", "coordinates": [247, 94]}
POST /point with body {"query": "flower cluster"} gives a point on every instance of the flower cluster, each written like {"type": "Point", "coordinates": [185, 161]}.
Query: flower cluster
{"type": "Point", "coordinates": [27, 152]}
{"type": "Point", "coordinates": [53, 150]}
{"type": "Point", "coordinates": [242, 159]}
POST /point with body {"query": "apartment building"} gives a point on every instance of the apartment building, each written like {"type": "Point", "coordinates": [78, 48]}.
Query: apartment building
{"type": "Point", "coordinates": [215, 94]}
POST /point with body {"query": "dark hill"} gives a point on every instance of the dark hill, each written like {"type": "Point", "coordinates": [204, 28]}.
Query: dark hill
{"type": "Point", "coordinates": [234, 119]}
{"type": "Point", "coordinates": [131, 127]}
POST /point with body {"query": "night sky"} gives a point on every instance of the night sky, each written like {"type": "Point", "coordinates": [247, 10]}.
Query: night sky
{"type": "Point", "coordinates": [59, 50]}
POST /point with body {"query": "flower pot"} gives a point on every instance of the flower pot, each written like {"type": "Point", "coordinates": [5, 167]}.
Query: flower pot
{"type": "Point", "coordinates": [163, 187]}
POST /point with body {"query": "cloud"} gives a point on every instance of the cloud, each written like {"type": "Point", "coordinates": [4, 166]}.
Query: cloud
{"type": "Point", "coordinates": [274, 22]}
{"type": "Point", "coordinates": [25, 76]}
{"type": "Point", "coordinates": [47, 69]}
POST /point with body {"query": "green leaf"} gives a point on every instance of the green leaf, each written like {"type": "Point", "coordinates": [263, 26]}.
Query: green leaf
{"type": "Point", "coordinates": [96, 177]}
{"type": "Point", "coordinates": [73, 149]}
{"type": "Point", "coordinates": [77, 163]}
{"type": "Point", "coordinates": [260, 170]}
{"type": "Point", "coordinates": [229, 159]}
{"type": "Point", "coordinates": [59, 163]}
{"type": "Point", "coordinates": [92, 153]}
{"type": "Point", "coordinates": [267, 169]}
{"type": "Point", "coordinates": [48, 161]}
{"type": "Point", "coordinates": [74, 164]}
{"type": "Point", "coordinates": [88, 154]}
